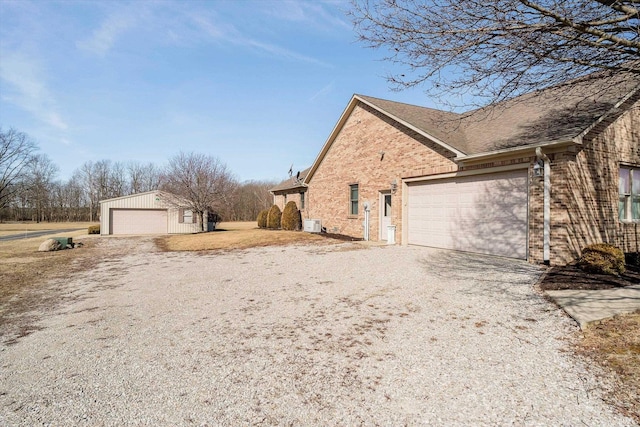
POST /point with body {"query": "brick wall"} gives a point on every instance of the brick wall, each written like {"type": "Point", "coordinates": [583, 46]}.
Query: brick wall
{"type": "Point", "coordinates": [371, 151]}
{"type": "Point", "coordinates": [281, 200]}
{"type": "Point", "coordinates": [584, 208]}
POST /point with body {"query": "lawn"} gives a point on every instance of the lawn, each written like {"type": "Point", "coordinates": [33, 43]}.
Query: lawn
{"type": "Point", "coordinates": [8, 228]}
{"type": "Point", "coordinates": [236, 235]}
{"type": "Point", "coordinates": [615, 345]}
{"type": "Point", "coordinates": [611, 343]}
{"type": "Point", "coordinates": [25, 272]}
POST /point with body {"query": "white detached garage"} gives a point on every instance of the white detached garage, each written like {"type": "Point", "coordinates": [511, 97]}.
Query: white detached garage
{"type": "Point", "coordinates": [153, 212]}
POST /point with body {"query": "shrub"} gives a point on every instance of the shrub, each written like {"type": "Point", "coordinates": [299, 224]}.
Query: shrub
{"type": "Point", "coordinates": [291, 219]}
{"type": "Point", "coordinates": [262, 218]}
{"type": "Point", "coordinates": [94, 229]}
{"type": "Point", "coordinates": [273, 217]}
{"type": "Point", "coordinates": [602, 258]}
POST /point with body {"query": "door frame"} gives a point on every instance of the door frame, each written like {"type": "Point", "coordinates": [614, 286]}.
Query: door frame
{"type": "Point", "coordinates": [382, 231]}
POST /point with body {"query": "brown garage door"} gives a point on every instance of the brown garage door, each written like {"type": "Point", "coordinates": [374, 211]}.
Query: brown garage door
{"type": "Point", "coordinates": [138, 221]}
{"type": "Point", "coordinates": [480, 213]}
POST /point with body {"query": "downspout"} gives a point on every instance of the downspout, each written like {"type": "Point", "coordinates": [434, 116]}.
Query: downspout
{"type": "Point", "coordinates": [546, 232]}
{"type": "Point", "coordinates": [367, 210]}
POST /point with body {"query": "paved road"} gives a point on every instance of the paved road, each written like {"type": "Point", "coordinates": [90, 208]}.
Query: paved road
{"type": "Point", "coordinates": [31, 234]}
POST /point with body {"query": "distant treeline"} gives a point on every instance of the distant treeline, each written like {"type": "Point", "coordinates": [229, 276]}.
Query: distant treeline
{"type": "Point", "coordinates": [29, 190]}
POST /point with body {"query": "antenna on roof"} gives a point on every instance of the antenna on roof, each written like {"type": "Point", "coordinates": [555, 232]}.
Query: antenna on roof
{"type": "Point", "coordinates": [291, 170]}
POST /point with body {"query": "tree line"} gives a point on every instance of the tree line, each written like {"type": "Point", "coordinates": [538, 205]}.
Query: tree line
{"type": "Point", "coordinates": [31, 191]}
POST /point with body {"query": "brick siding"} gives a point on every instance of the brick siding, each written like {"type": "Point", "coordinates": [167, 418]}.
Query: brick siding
{"type": "Point", "coordinates": [584, 187]}
{"type": "Point", "coordinates": [373, 151]}
{"type": "Point", "coordinates": [356, 157]}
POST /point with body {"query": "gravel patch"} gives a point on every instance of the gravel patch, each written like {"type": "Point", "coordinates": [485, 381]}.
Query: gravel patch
{"type": "Point", "coordinates": [301, 335]}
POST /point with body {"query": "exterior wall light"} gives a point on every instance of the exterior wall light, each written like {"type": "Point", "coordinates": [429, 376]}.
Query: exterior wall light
{"type": "Point", "coordinates": [394, 186]}
{"type": "Point", "coordinates": [538, 168]}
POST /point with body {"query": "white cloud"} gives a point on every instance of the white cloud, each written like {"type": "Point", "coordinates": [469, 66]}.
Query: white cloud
{"type": "Point", "coordinates": [27, 89]}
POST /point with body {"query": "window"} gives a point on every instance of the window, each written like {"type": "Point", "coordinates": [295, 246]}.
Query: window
{"type": "Point", "coordinates": [301, 200]}
{"type": "Point", "coordinates": [629, 189]}
{"type": "Point", "coordinates": [185, 216]}
{"type": "Point", "coordinates": [353, 199]}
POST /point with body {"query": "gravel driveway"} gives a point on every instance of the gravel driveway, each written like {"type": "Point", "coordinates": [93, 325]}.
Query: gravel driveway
{"type": "Point", "coordinates": [301, 335]}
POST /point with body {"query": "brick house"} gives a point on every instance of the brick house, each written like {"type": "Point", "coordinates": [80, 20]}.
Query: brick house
{"type": "Point", "coordinates": [292, 189]}
{"type": "Point", "coordinates": [537, 177]}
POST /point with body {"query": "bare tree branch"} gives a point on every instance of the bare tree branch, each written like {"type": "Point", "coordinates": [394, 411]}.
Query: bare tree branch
{"type": "Point", "coordinates": [16, 150]}
{"type": "Point", "coordinates": [495, 50]}
{"type": "Point", "coordinates": [204, 182]}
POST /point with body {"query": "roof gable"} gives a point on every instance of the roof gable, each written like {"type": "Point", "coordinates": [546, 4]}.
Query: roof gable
{"type": "Point", "coordinates": [428, 122]}
{"type": "Point", "coordinates": [162, 194]}
{"type": "Point", "coordinates": [559, 114]}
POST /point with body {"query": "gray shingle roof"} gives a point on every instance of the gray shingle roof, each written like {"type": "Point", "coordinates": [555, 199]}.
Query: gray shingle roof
{"type": "Point", "coordinates": [292, 183]}
{"type": "Point", "coordinates": [555, 114]}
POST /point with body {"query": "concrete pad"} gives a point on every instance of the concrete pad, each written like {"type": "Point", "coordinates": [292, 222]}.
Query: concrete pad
{"type": "Point", "coordinates": [588, 306]}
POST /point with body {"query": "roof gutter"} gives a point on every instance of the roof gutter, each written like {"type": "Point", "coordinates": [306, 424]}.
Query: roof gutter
{"type": "Point", "coordinates": [509, 152]}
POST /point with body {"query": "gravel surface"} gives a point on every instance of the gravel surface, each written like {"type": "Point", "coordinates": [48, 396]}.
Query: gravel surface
{"type": "Point", "coordinates": [301, 335]}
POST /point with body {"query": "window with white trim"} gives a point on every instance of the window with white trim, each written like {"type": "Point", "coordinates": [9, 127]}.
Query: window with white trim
{"type": "Point", "coordinates": [353, 199]}
{"type": "Point", "coordinates": [301, 200]}
{"type": "Point", "coordinates": [629, 190]}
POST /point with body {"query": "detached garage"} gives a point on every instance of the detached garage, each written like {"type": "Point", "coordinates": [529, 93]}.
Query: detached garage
{"type": "Point", "coordinates": [479, 213]}
{"type": "Point", "coordinates": [153, 212]}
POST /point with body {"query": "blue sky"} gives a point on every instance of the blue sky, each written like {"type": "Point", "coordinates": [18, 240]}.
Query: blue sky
{"type": "Point", "coordinates": [258, 84]}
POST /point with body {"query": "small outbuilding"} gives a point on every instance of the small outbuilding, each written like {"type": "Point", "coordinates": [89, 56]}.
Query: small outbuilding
{"type": "Point", "coordinates": [152, 212]}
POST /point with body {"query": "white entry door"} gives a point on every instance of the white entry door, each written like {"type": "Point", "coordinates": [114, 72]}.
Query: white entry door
{"type": "Point", "coordinates": [385, 214]}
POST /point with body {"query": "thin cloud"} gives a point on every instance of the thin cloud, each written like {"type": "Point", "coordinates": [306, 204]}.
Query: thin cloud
{"type": "Point", "coordinates": [282, 52]}
{"type": "Point", "coordinates": [27, 89]}
{"type": "Point", "coordinates": [112, 28]}
{"type": "Point", "coordinates": [328, 88]}
{"type": "Point", "coordinates": [310, 13]}
{"type": "Point", "coordinates": [229, 34]}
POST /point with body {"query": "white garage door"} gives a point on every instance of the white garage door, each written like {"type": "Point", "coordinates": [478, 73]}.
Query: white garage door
{"type": "Point", "coordinates": [480, 213]}
{"type": "Point", "coordinates": [138, 221]}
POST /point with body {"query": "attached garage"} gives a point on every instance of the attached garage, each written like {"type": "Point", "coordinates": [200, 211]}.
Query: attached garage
{"type": "Point", "coordinates": [153, 212]}
{"type": "Point", "coordinates": [476, 213]}
{"type": "Point", "coordinates": [138, 221]}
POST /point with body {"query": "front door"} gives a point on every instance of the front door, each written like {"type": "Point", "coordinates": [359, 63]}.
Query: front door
{"type": "Point", "coordinates": [385, 214]}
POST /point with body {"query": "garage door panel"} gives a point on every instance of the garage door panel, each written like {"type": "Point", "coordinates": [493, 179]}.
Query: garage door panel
{"type": "Point", "coordinates": [138, 221]}
{"type": "Point", "coordinates": [483, 213]}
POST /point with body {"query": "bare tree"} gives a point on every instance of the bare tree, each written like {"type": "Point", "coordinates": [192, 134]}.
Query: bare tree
{"type": "Point", "coordinates": [143, 177]}
{"type": "Point", "coordinates": [16, 150]}
{"type": "Point", "coordinates": [499, 49]}
{"type": "Point", "coordinates": [250, 198]}
{"type": "Point", "coordinates": [203, 182]}
{"type": "Point", "coordinates": [38, 185]}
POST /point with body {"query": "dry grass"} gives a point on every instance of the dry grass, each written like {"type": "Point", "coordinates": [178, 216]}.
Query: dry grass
{"type": "Point", "coordinates": [24, 273]}
{"type": "Point", "coordinates": [236, 235]}
{"type": "Point", "coordinates": [615, 344]}
{"type": "Point", "coordinates": [8, 228]}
